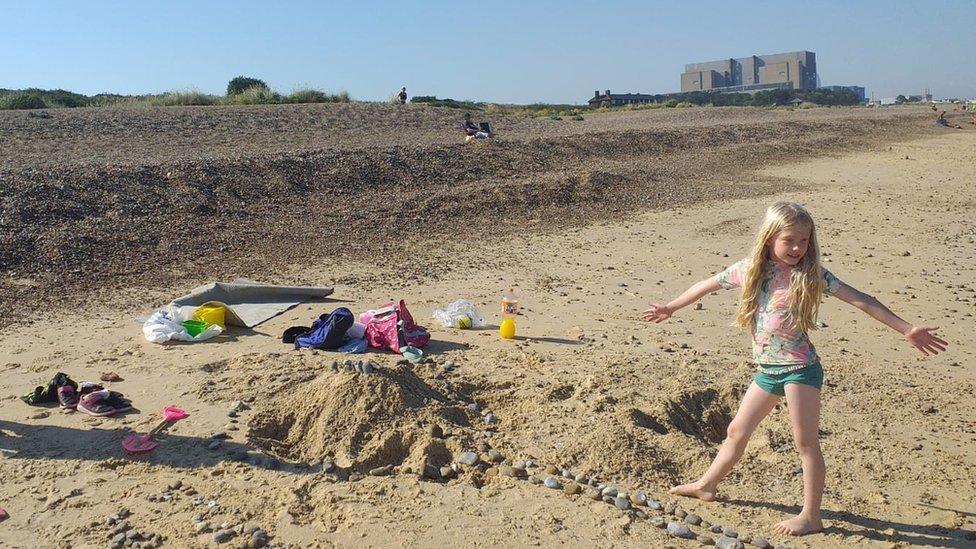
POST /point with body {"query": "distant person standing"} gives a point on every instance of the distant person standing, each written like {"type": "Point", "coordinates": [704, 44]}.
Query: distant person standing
{"type": "Point", "coordinates": [403, 96]}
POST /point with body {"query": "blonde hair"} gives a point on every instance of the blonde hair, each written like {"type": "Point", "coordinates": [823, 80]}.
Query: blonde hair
{"type": "Point", "coordinates": [806, 278]}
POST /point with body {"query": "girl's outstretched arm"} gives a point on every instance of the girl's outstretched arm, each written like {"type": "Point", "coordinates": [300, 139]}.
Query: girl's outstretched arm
{"type": "Point", "coordinates": [659, 313]}
{"type": "Point", "coordinates": [920, 337]}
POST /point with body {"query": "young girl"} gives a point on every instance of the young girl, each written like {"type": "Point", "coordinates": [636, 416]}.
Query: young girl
{"type": "Point", "coordinates": [782, 283]}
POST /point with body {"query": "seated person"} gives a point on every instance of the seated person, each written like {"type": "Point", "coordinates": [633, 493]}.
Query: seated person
{"type": "Point", "coordinates": [472, 130]}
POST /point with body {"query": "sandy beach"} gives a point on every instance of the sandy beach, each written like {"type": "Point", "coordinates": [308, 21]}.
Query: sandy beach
{"type": "Point", "coordinates": [586, 388]}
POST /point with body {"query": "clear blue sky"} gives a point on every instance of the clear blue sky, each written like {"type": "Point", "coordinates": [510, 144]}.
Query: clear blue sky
{"type": "Point", "coordinates": [519, 52]}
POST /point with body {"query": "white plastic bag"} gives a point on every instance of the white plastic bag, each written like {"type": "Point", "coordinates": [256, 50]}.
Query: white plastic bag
{"type": "Point", "coordinates": [166, 324]}
{"type": "Point", "coordinates": [449, 316]}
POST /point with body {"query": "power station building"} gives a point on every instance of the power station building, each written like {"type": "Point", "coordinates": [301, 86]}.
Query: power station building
{"type": "Point", "coordinates": [795, 70]}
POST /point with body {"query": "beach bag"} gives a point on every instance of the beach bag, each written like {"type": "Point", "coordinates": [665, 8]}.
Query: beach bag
{"type": "Point", "coordinates": [328, 331]}
{"type": "Point", "coordinates": [392, 327]}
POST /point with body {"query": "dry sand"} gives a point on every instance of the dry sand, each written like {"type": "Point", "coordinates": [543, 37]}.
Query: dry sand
{"type": "Point", "coordinates": [587, 387]}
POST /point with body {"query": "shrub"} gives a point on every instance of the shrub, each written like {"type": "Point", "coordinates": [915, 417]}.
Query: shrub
{"type": "Point", "coordinates": [315, 96]}
{"type": "Point", "coordinates": [242, 84]}
{"type": "Point", "coordinates": [555, 117]}
{"type": "Point", "coordinates": [182, 98]}
{"type": "Point", "coordinates": [671, 103]}
{"type": "Point", "coordinates": [684, 105]}
{"type": "Point", "coordinates": [22, 100]}
{"type": "Point", "coordinates": [578, 118]}
{"type": "Point", "coordinates": [256, 95]}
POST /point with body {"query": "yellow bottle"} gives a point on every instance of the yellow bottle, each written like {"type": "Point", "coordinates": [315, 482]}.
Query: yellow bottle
{"type": "Point", "coordinates": [507, 329]}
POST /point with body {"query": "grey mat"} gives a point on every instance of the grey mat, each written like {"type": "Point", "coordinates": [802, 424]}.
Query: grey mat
{"type": "Point", "coordinates": [250, 303]}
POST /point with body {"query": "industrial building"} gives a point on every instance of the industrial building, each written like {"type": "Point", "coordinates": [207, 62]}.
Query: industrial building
{"type": "Point", "coordinates": [794, 70]}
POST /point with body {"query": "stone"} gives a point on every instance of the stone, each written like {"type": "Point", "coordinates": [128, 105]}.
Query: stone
{"type": "Point", "coordinates": [594, 495]}
{"type": "Point", "coordinates": [368, 368]}
{"type": "Point", "coordinates": [705, 540]}
{"type": "Point", "coordinates": [468, 458]}
{"type": "Point", "coordinates": [436, 431]}
{"type": "Point", "coordinates": [609, 500]}
{"type": "Point", "coordinates": [552, 470]}
{"type": "Point", "coordinates": [356, 477]}
{"type": "Point", "coordinates": [566, 473]}
{"type": "Point", "coordinates": [551, 482]}
{"type": "Point", "coordinates": [490, 418]}
{"type": "Point", "coordinates": [121, 528]}
{"type": "Point", "coordinates": [381, 471]}
{"type": "Point", "coordinates": [201, 527]}
{"type": "Point", "coordinates": [609, 491]}
{"type": "Point", "coordinates": [725, 542]}
{"type": "Point", "coordinates": [213, 445]}
{"type": "Point", "coordinates": [679, 530]}
{"type": "Point", "coordinates": [176, 485]}
{"type": "Point", "coordinates": [622, 503]}
{"type": "Point", "coordinates": [249, 529]}
{"type": "Point", "coordinates": [745, 539]}
{"type": "Point", "coordinates": [219, 435]}
{"type": "Point", "coordinates": [519, 464]}
{"type": "Point", "coordinates": [640, 514]}
{"type": "Point", "coordinates": [572, 488]}
{"type": "Point", "coordinates": [658, 522]}
{"type": "Point", "coordinates": [705, 524]}
{"type": "Point", "coordinates": [474, 407]}
{"type": "Point", "coordinates": [716, 529]}
{"type": "Point", "coordinates": [761, 542]}
{"type": "Point", "coordinates": [655, 505]}
{"type": "Point", "coordinates": [495, 456]}
{"type": "Point", "coordinates": [729, 532]}
{"type": "Point", "coordinates": [328, 466]}
{"type": "Point", "coordinates": [535, 480]}
{"type": "Point", "coordinates": [448, 472]}
{"type": "Point", "coordinates": [223, 536]}
{"type": "Point", "coordinates": [693, 519]}
{"type": "Point", "coordinates": [509, 471]}
{"type": "Point", "coordinates": [581, 479]}
{"type": "Point", "coordinates": [680, 513]}
{"type": "Point", "coordinates": [638, 498]}
{"type": "Point", "coordinates": [238, 406]}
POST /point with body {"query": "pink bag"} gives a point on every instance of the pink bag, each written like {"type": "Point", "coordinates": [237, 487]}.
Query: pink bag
{"type": "Point", "coordinates": [391, 327]}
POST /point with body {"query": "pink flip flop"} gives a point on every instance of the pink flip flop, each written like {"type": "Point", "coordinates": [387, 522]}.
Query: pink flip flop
{"type": "Point", "coordinates": [141, 444]}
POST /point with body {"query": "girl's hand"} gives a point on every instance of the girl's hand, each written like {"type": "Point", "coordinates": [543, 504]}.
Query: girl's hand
{"type": "Point", "coordinates": [657, 313]}
{"type": "Point", "coordinates": [926, 342]}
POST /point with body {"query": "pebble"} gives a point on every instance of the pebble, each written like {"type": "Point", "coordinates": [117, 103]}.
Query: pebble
{"type": "Point", "coordinates": [121, 527]}
{"type": "Point", "coordinates": [594, 495]}
{"type": "Point", "coordinates": [655, 505]}
{"type": "Point", "coordinates": [381, 471]}
{"type": "Point", "coordinates": [608, 499]}
{"type": "Point", "coordinates": [213, 445]}
{"type": "Point", "coordinates": [175, 485]}
{"type": "Point", "coordinates": [693, 519]}
{"type": "Point", "coordinates": [761, 542]}
{"type": "Point", "coordinates": [581, 479]}
{"type": "Point", "coordinates": [658, 522]}
{"type": "Point", "coordinates": [530, 463]}
{"type": "Point", "coordinates": [237, 406]}
{"type": "Point", "coordinates": [705, 540]}
{"type": "Point", "coordinates": [201, 527]}
{"type": "Point", "coordinates": [495, 456]}
{"type": "Point", "coordinates": [638, 498]}
{"type": "Point", "coordinates": [571, 489]}
{"type": "Point", "coordinates": [680, 513]}
{"type": "Point", "coordinates": [219, 435]}
{"type": "Point", "coordinates": [238, 454]}
{"type": "Point", "coordinates": [551, 482]}
{"type": "Point", "coordinates": [519, 464]}
{"type": "Point", "coordinates": [535, 480]}
{"type": "Point", "coordinates": [705, 524]}
{"type": "Point", "coordinates": [679, 530]}
{"type": "Point", "coordinates": [368, 368]}
{"type": "Point", "coordinates": [552, 470]}
{"type": "Point", "coordinates": [716, 529]}
{"type": "Point", "coordinates": [508, 471]}
{"type": "Point", "coordinates": [468, 458]}
{"type": "Point", "coordinates": [745, 538]}
{"type": "Point", "coordinates": [448, 472]}
{"type": "Point", "coordinates": [356, 477]}
{"type": "Point", "coordinates": [474, 407]}
{"type": "Point", "coordinates": [358, 368]}
{"type": "Point", "coordinates": [609, 491]}
{"type": "Point", "coordinates": [730, 533]}
{"type": "Point", "coordinates": [568, 474]}
{"type": "Point", "coordinates": [490, 418]}
{"type": "Point", "coordinates": [222, 536]}
{"type": "Point", "coordinates": [725, 542]}
{"type": "Point", "coordinates": [622, 503]}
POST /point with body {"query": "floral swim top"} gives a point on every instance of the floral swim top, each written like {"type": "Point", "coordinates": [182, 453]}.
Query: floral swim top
{"type": "Point", "coordinates": [775, 341]}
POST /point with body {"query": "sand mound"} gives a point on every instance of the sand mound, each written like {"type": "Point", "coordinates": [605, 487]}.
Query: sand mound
{"type": "Point", "coordinates": [361, 421]}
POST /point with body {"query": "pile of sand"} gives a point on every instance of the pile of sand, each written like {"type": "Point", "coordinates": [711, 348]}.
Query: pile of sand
{"type": "Point", "coordinates": [390, 417]}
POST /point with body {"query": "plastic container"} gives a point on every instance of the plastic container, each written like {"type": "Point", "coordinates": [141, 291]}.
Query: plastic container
{"type": "Point", "coordinates": [194, 327]}
{"type": "Point", "coordinates": [509, 304]}
{"type": "Point", "coordinates": [507, 328]}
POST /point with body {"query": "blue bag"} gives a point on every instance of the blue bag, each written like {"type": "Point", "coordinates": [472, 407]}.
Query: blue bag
{"type": "Point", "coordinates": [328, 331]}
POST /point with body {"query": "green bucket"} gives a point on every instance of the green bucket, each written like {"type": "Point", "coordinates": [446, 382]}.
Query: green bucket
{"type": "Point", "coordinates": [194, 327]}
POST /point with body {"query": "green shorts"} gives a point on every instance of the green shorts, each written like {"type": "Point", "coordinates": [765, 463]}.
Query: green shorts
{"type": "Point", "coordinates": [811, 375]}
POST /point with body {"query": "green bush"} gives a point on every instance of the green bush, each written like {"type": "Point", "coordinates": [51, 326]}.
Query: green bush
{"type": "Point", "coordinates": [684, 105]}
{"type": "Point", "coordinates": [22, 100]}
{"type": "Point", "coordinates": [242, 84]}
{"type": "Point", "coordinates": [257, 95]}
{"type": "Point", "coordinates": [555, 117]}
{"type": "Point", "coordinates": [315, 96]}
{"type": "Point", "coordinates": [182, 98]}
{"type": "Point", "coordinates": [578, 118]}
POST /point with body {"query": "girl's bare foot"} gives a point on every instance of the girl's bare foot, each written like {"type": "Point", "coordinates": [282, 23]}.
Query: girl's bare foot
{"type": "Point", "coordinates": [694, 490]}
{"type": "Point", "coordinates": [799, 525]}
